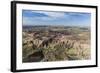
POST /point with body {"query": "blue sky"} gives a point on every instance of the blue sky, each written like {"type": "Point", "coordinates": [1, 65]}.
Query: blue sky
{"type": "Point", "coordinates": [31, 17]}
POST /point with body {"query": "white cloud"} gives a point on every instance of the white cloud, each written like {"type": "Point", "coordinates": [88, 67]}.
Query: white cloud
{"type": "Point", "coordinates": [52, 14]}
{"type": "Point", "coordinates": [51, 17]}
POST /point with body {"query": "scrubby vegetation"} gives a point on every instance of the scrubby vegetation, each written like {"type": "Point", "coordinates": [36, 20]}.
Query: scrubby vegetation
{"type": "Point", "coordinates": [55, 43]}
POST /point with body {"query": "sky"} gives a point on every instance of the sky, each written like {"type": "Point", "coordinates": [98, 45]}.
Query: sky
{"type": "Point", "coordinates": [32, 17]}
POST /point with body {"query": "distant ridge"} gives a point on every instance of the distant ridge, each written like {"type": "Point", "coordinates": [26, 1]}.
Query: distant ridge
{"type": "Point", "coordinates": [55, 26]}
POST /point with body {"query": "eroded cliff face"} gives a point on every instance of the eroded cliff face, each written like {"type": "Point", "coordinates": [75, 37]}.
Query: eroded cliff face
{"type": "Point", "coordinates": [59, 45]}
